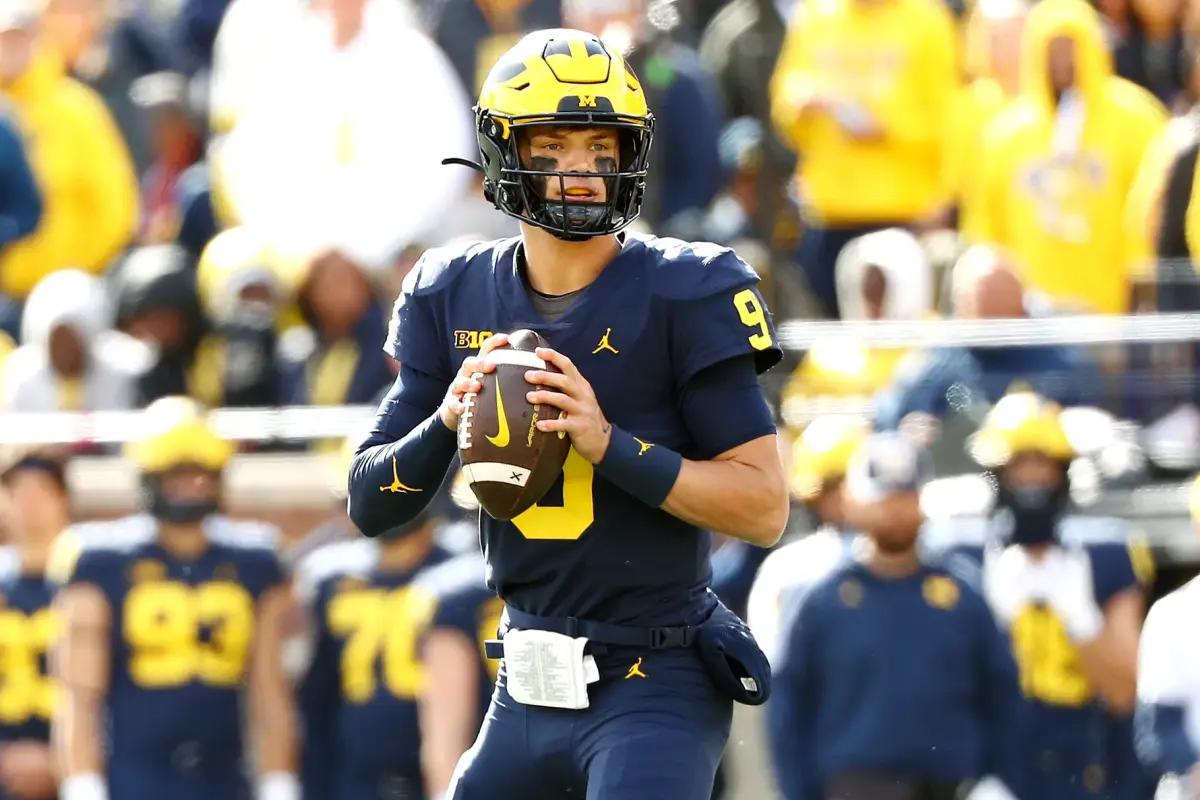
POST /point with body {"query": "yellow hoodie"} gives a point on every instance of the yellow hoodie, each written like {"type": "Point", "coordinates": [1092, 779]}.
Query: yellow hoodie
{"type": "Point", "coordinates": [89, 188]}
{"type": "Point", "coordinates": [1059, 207]}
{"type": "Point", "coordinates": [897, 59]}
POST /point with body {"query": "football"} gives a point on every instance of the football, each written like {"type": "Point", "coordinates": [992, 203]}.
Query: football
{"type": "Point", "coordinates": [508, 462]}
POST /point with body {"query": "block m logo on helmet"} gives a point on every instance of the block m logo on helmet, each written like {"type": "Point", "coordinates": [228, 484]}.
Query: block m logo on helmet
{"type": "Point", "coordinates": [554, 79]}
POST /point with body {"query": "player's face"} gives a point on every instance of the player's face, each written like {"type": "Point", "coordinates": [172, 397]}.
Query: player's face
{"type": "Point", "coordinates": [37, 505]}
{"type": "Point", "coordinates": [892, 522]}
{"type": "Point", "coordinates": [1032, 470]}
{"type": "Point", "coordinates": [191, 484]}
{"type": "Point", "coordinates": [572, 149]}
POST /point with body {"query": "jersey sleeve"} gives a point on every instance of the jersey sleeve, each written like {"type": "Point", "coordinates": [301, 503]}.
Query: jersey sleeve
{"type": "Point", "coordinates": [412, 337]}
{"type": "Point", "coordinates": [724, 315]}
{"type": "Point", "coordinates": [1113, 570]}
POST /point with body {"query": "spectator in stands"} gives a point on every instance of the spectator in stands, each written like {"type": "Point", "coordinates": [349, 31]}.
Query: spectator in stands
{"type": "Point", "coordinates": [865, 110]}
{"type": "Point", "coordinates": [1070, 592]}
{"type": "Point", "coordinates": [983, 286]}
{"type": "Point", "coordinates": [992, 53]}
{"type": "Point", "coordinates": [1168, 715]}
{"type": "Point", "coordinates": [475, 33]}
{"type": "Point", "coordinates": [155, 296]}
{"type": "Point", "coordinates": [894, 681]}
{"type": "Point", "coordinates": [685, 166]}
{"type": "Point", "coordinates": [177, 143]}
{"type": "Point", "coordinates": [820, 458]}
{"type": "Point", "coordinates": [81, 164]}
{"type": "Point", "coordinates": [70, 358]}
{"type": "Point", "coordinates": [1055, 178]}
{"type": "Point", "coordinates": [1148, 47]}
{"type": "Point", "coordinates": [236, 362]}
{"type": "Point", "coordinates": [365, 111]}
{"type": "Point", "coordinates": [108, 46]}
{"type": "Point", "coordinates": [335, 359]}
{"type": "Point", "coordinates": [20, 207]}
{"type": "Point", "coordinates": [195, 32]}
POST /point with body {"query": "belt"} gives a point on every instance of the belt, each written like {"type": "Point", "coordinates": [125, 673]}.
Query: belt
{"type": "Point", "coordinates": [660, 638]}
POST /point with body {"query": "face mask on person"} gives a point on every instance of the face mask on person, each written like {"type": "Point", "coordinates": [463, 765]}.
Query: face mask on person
{"type": "Point", "coordinates": [1030, 514]}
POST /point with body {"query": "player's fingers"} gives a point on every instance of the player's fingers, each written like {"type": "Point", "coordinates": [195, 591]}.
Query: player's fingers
{"type": "Point", "coordinates": [554, 424]}
{"type": "Point", "coordinates": [492, 342]}
{"type": "Point", "coordinates": [557, 380]}
{"type": "Point", "coordinates": [559, 400]}
{"type": "Point", "coordinates": [559, 360]}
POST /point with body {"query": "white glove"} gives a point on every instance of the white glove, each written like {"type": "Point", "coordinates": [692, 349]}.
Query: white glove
{"type": "Point", "coordinates": [1070, 593]}
{"type": "Point", "coordinates": [1010, 582]}
{"type": "Point", "coordinates": [88, 786]}
{"type": "Point", "coordinates": [278, 786]}
{"type": "Point", "coordinates": [990, 788]}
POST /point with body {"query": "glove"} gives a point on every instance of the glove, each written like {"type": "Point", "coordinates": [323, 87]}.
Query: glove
{"type": "Point", "coordinates": [1067, 576]}
{"type": "Point", "coordinates": [1010, 582]}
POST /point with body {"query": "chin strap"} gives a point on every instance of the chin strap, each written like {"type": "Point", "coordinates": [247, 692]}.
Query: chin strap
{"type": "Point", "coordinates": [462, 162]}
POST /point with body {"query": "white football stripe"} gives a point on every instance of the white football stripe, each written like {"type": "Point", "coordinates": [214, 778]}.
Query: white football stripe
{"type": "Point", "coordinates": [521, 358]}
{"type": "Point", "coordinates": [495, 472]}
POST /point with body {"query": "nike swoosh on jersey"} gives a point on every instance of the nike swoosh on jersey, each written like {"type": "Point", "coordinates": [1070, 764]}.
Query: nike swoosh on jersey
{"type": "Point", "coordinates": [501, 437]}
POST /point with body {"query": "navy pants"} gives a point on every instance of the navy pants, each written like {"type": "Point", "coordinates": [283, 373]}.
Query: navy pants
{"type": "Point", "coordinates": [642, 738]}
{"type": "Point", "coordinates": [141, 780]}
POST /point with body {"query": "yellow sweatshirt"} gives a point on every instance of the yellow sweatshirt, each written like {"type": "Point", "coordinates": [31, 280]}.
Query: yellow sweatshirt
{"type": "Point", "coordinates": [895, 58]}
{"type": "Point", "coordinates": [89, 188]}
{"type": "Point", "coordinates": [1059, 206]}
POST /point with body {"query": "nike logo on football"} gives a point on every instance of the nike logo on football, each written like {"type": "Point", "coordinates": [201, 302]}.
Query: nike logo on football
{"type": "Point", "coordinates": [501, 437]}
{"type": "Point", "coordinates": [396, 487]}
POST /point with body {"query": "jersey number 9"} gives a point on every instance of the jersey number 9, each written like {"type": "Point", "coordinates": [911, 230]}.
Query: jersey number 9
{"type": "Point", "coordinates": [179, 633]}
{"type": "Point", "coordinates": [377, 623]}
{"type": "Point", "coordinates": [750, 310]}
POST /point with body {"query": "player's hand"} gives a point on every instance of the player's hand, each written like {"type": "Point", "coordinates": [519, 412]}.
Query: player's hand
{"type": "Point", "coordinates": [464, 382]}
{"type": "Point", "coordinates": [1009, 582]}
{"type": "Point", "coordinates": [582, 418]}
{"type": "Point", "coordinates": [27, 771]}
{"type": "Point", "coordinates": [1070, 592]}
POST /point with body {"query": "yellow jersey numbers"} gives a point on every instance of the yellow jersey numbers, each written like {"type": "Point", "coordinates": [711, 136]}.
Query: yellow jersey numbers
{"type": "Point", "coordinates": [178, 633]}
{"type": "Point", "coordinates": [24, 690]}
{"type": "Point", "coordinates": [380, 627]}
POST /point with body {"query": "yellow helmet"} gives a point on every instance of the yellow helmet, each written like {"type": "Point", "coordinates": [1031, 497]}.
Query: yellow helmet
{"type": "Point", "coordinates": [823, 452]}
{"type": "Point", "coordinates": [234, 259]}
{"type": "Point", "coordinates": [563, 77]}
{"type": "Point", "coordinates": [176, 431]}
{"type": "Point", "coordinates": [1020, 422]}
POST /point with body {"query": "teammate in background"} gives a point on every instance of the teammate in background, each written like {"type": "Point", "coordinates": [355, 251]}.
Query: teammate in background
{"type": "Point", "coordinates": [858, 713]}
{"type": "Point", "coordinates": [659, 343]}
{"type": "Point", "coordinates": [358, 697]}
{"type": "Point", "coordinates": [1168, 714]}
{"type": "Point", "coordinates": [453, 706]}
{"type": "Point", "coordinates": [819, 460]}
{"type": "Point", "coordinates": [172, 621]}
{"type": "Point", "coordinates": [37, 510]}
{"type": "Point", "coordinates": [1069, 592]}
{"type": "Point", "coordinates": [894, 681]}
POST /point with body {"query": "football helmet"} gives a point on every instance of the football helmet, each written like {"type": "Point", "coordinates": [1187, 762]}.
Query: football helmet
{"type": "Point", "coordinates": [1020, 422]}
{"type": "Point", "coordinates": [563, 77]}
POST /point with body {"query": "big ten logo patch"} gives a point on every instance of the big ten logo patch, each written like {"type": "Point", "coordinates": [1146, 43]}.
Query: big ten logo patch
{"type": "Point", "coordinates": [470, 340]}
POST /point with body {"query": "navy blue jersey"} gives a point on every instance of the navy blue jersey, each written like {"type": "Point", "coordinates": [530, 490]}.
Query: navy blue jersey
{"type": "Point", "coordinates": [465, 604]}
{"type": "Point", "coordinates": [908, 676]}
{"type": "Point", "coordinates": [27, 629]}
{"type": "Point", "coordinates": [359, 696]}
{"type": "Point", "coordinates": [660, 313]}
{"type": "Point", "coordinates": [181, 635]}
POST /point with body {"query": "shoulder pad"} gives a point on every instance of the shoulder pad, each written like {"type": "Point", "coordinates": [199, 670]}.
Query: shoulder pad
{"type": "Point", "coordinates": [119, 535]}
{"type": "Point", "coordinates": [1083, 530]}
{"type": "Point", "coordinates": [439, 266]}
{"type": "Point", "coordinates": [245, 534]}
{"type": "Point", "coordinates": [690, 270]}
{"type": "Point", "coordinates": [461, 573]}
{"type": "Point", "coordinates": [333, 560]}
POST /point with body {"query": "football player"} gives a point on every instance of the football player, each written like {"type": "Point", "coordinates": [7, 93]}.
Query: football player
{"type": "Point", "coordinates": [657, 344]}
{"type": "Point", "coordinates": [173, 621]}
{"type": "Point", "coordinates": [358, 697]}
{"type": "Point", "coordinates": [1069, 592]}
{"type": "Point", "coordinates": [1168, 714]}
{"type": "Point", "coordinates": [819, 460]}
{"type": "Point", "coordinates": [453, 649]}
{"type": "Point", "coordinates": [37, 509]}
{"type": "Point", "coordinates": [893, 682]}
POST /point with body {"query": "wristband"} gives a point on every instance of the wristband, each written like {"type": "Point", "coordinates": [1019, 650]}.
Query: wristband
{"type": "Point", "coordinates": [86, 786]}
{"type": "Point", "coordinates": [278, 786]}
{"type": "Point", "coordinates": [643, 469]}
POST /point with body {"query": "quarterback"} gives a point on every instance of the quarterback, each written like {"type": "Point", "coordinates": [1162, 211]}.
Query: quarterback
{"type": "Point", "coordinates": [619, 663]}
